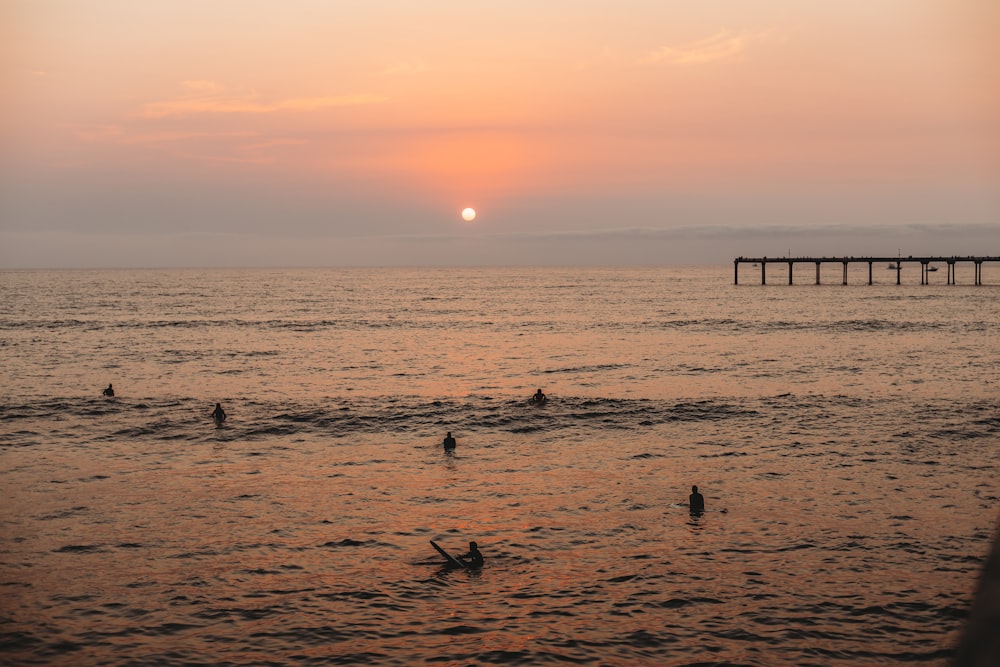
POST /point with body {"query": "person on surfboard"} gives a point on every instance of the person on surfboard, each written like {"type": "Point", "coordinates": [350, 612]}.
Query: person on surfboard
{"type": "Point", "coordinates": [696, 501]}
{"type": "Point", "coordinates": [109, 392]}
{"type": "Point", "coordinates": [474, 558]}
{"type": "Point", "coordinates": [218, 414]}
{"type": "Point", "coordinates": [449, 443]}
{"type": "Point", "coordinates": [538, 398]}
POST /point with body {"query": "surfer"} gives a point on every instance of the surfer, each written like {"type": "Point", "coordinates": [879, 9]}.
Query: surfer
{"type": "Point", "coordinates": [218, 414]}
{"type": "Point", "coordinates": [696, 501]}
{"type": "Point", "coordinates": [538, 398]}
{"type": "Point", "coordinates": [109, 392]}
{"type": "Point", "coordinates": [449, 443]}
{"type": "Point", "coordinates": [474, 558]}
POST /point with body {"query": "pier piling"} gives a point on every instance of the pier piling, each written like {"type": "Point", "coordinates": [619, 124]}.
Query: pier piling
{"type": "Point", "coordinates": [925, 263]}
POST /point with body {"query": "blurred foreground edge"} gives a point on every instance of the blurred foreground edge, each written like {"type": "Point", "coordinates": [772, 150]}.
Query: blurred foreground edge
{"type": "Point", "coordinates": [980, 642]}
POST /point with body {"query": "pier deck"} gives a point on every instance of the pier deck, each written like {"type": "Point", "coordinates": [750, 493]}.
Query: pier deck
{"type": "Point", "coordinates": [926, 264]}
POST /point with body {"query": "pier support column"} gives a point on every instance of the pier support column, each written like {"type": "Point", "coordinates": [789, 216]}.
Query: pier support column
{"type": "Point", "coordinates": [927, 263]}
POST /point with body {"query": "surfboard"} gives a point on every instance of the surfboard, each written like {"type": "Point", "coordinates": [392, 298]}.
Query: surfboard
{"type": "Point", "coordinates": [452, 561]}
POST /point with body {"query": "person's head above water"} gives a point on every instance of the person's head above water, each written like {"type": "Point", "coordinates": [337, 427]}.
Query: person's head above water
{"type": "Point", "coordinates": [473, 546]}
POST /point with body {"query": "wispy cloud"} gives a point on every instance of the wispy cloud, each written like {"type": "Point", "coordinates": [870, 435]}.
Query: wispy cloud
{"type": "Point", "coordinates": [208, 97]}
{"type": "Point", "coordinates": [720, 47]}
{"type": "Point", "coordinates": [121, 134]}
{"type": "Point", "coordinates": [235, 146]}
{"type": "Point", "coordinates": [405, 68]}
{"type": "Point", "coordinates": [275, 143]}
{"type": "Point", "coordinates": [203, 86]}
{"type": "Point", "coordinates": [716, 232]}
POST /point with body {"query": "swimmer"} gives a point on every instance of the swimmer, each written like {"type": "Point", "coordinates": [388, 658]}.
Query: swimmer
{"type": "Point", "coordinates": [539, 398]}
{"type": "Point", "coordinates": [218, 414]}
{"type": "Point", "coordinates": [109, 392]}
{"type": "Point", "coordinates": [449, 443]}
{"type": "Point", "coordinates": [696, 501]}
{"type": "Point", "coordinates": [475, 556]}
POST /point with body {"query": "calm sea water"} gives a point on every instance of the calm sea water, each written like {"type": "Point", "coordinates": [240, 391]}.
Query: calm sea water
{"type": "Point", "coordinates": [852, 434]}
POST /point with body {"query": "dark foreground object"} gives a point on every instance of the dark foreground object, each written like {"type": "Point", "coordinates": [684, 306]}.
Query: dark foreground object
{"type": "Point", "coordinates": [980, 644]}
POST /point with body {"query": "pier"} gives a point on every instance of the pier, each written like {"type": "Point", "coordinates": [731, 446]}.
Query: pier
{"type": "Point", "coordinates": [926, 264]}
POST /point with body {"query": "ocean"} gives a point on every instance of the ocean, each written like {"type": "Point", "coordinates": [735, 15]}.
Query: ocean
{"type": "Point", "coordinates": [846, 440]}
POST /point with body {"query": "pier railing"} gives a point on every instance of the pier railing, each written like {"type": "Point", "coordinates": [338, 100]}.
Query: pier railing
{"type": "Point", "coordinates": [896, 263]}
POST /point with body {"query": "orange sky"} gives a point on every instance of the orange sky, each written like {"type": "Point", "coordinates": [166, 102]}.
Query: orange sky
{"type": "Point", "coordinates": [130, 130]}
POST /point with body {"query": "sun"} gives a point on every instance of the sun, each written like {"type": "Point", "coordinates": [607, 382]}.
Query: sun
{"type": "Point", "coordinates": [468, 214]}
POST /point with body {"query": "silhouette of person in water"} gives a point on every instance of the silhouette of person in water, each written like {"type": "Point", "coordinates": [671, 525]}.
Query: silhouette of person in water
{"type": "Point", "coordinates": [539, 398]}
{"type": "Point", "coordinates": [474, 558]}
{"type": "Point", "coordinates": [696, 501]}
{"type": "Point", "coordinates": [218, 414]}
{"type": "Point", "coordinates": [109, 392]}
{"type": "Point", "coordinates": [449, 443]}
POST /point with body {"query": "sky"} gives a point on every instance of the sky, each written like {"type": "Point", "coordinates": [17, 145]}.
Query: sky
{"type": "Point", "coordinates": [176, 133]}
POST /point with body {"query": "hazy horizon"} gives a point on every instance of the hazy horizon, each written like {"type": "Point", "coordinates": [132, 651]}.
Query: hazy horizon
{"type": "Point", "coordinates": [181, 134]}
{"type": "Point", "coordinates": [687, 246]}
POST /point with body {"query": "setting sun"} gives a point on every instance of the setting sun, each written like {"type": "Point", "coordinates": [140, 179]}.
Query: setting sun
{"type": "Point", "coordinates": [469, 214]}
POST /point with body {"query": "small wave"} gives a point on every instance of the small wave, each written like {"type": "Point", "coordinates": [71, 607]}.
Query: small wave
{"type": "Point", "coordinates": [64, 514]}
{"type": "Point", "coordinates": [80, 549]}
{"type": "Point", "coordinates": [349, 543]}
{"type": "Point", "coordinates": [673, 603]}
{"type": "Point", "coordinates": [461, 630]}
{"type": "Point", "coordinates": [353, 595]}
{"type": "Point", "coordinates": [586, 369]}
